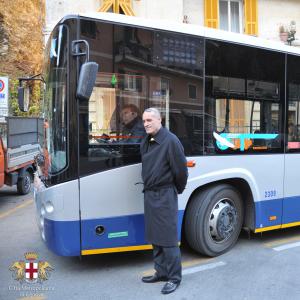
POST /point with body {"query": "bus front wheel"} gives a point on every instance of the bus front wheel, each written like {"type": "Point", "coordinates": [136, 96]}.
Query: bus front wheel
{"type": "Point", "coordinates": [214, 220]}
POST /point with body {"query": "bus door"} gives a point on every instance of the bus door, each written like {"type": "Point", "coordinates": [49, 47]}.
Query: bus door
{"type": "Point", "coordinates": [111, 129]}
{"type": "Point", "coordinates": [270, 209]}
{"type": "Point", "coordinates": [291, 204]}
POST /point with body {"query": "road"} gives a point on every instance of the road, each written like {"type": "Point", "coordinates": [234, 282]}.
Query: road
{"type": "Point", "coordinates": [263, 267]}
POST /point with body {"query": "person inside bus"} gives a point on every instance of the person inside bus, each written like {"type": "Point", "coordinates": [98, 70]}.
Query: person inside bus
{"type": "Point", "coordinates": [133, 129]}
{"type": "Point", "coordinates": [292, 137]}
{"type": "Point", "coordinates": [164, 174]}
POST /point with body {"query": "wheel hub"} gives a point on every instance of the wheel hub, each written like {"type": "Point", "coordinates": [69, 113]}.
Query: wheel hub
{"type": "Point", "coordinates": [27, 183]}
{"type": "Point", "coordinates": [223, 220]}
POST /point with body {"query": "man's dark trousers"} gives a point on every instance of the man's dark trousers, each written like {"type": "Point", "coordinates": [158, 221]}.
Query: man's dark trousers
{"type": "Point", "coordinates": [167, 262]}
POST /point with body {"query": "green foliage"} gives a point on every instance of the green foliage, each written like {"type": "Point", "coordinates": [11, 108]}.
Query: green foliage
{"type": "Point", "coordinates": [35, 99]}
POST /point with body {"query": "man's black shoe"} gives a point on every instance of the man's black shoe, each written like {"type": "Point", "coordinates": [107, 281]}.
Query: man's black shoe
{"type": "Point", "coordinates": [170, 287]}
{"type": "Point", "coordinates": [153, 278]}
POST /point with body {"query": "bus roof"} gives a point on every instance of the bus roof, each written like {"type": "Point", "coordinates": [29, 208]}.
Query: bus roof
{"type": "Point", "coordinates": [197, 30]}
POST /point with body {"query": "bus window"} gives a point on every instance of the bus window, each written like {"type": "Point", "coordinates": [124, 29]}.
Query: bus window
{"type": "Point", "coordinates": [180, 60]}
{"type": "Point", "coordinates": [244, 99]}
{"type": "Point", "coordinates": [56, 99]}
{"type": "Point", "coordinates": [293, 98]}
{"type": "Point", "coordinates": [139, 69]}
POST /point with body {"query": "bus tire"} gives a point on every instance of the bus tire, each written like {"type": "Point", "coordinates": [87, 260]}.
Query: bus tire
{"type": "Point", "coordinates": [214, 220]}
{"type": "Point", "coordinates": [24, 184]}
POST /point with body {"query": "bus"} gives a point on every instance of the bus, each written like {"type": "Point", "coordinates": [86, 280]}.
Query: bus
{"type": "Point", "coordinates": [232, 100]}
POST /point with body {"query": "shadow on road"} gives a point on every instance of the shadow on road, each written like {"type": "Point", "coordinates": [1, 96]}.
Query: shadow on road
{"type": "Point", "coordinates": [9, 197]}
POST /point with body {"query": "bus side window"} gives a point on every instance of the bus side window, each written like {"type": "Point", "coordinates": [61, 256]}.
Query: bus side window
{"type": "Point", "coordinates": [293, 103]}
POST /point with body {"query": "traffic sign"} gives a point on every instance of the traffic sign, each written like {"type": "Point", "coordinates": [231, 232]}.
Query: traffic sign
{"type": "Point", "coordinates": [3, 97]}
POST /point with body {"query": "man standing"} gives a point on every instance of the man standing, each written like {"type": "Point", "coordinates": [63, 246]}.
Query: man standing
{"type": "Point", "coordinates": [164, 173]}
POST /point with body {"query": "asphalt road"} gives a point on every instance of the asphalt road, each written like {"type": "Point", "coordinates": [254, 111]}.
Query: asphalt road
{"type": "Point", "coordinates": [263, 267]}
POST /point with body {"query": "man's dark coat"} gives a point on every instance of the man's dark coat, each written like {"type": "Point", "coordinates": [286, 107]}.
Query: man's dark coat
{"type": "Point", "coordinates": [164, 174]}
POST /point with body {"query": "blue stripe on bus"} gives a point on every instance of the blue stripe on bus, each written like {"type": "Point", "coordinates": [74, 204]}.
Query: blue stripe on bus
{"type": "Point", "coordinates": [286, 210]}
{"type": "Point", "coordinates": [119, 232]}
{"type": "Point", "coordinates": [63, 237]}
{"type": "Point", "coordinates": [265, 209]}
{"type": "Point", "coordinates": [291, 210]}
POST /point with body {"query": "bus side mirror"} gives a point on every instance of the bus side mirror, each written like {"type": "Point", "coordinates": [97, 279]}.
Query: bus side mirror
{"type": "Point", "coordinates": [87, 79]}
{"type": "Point", "coordinates": [23, 98]}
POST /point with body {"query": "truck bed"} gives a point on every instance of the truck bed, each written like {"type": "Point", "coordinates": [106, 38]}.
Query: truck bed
{"type": "Point", "coordinates": [21, 155]}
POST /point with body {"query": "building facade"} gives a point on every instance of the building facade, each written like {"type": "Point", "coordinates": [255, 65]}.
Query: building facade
{"type": "Point", "coordinates": [270, 19]}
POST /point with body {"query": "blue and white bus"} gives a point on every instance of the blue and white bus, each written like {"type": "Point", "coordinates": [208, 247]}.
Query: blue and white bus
{"type": "Point", "coordinates": [233, 101]}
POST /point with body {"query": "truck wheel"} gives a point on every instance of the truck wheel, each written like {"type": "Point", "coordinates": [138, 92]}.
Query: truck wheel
{"type": "Point", "coordinates": [214, 220]}
{"type": "Point", "coordinates": [24, 184]}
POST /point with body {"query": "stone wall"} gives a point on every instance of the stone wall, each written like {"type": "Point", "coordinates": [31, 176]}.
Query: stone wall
{"type": "Point", "coordinates": [273, 13]}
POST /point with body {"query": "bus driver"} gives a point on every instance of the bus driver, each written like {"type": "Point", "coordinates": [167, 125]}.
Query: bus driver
{"type": "Point", "coordinates": [133, 129]}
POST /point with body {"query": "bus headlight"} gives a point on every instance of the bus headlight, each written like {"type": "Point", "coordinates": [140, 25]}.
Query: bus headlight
{"type": "Point", "coordinates": [49, 207]}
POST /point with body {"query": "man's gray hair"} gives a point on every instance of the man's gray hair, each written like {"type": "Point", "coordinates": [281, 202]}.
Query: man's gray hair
{"type": "Point", "coordinates": [154, 111]}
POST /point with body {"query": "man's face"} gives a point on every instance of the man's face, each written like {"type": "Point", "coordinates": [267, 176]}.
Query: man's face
{"type": "Point", "coordinates": [127, 115]}
{"type": "Point", "coordinates": [151, 123]}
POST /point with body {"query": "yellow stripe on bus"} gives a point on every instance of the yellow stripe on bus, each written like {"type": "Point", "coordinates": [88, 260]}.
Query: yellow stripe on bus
{"type": "Point", "coordinates": [290, 224]}
{"type": "Point", "coordinates": [117, 249]}
{"type": "Point", "coordinates": [277, 227]}
{"type": "Point", "coordinates": [267, 228]}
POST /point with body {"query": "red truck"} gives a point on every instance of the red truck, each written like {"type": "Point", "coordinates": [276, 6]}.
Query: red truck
{"type": "Point", "coordinates": [18, 147]}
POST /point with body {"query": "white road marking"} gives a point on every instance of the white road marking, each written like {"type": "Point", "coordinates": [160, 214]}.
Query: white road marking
{"type": "Point", "coordinates": [287, 246]}
{"type": "Point", "coordinates": [203, 268]}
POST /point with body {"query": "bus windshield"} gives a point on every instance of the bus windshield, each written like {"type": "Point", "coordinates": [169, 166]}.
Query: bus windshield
{"type": "Point", "coordinates": [55, 75]}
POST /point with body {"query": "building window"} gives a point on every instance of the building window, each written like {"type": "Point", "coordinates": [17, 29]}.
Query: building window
{"type": "Point", "coordinates": [130, 82]}
{"type": "Point", "coordinates": [192, 91]}
{"type": "Point", "coordinates": [231, 15]}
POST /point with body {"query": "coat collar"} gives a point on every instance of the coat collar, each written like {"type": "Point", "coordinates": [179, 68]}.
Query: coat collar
{"type": "Point", "coordinates": [160, 136]}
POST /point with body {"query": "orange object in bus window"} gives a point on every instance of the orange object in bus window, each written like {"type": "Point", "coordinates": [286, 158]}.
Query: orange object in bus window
{"type": "Point", "coordinates": [260, 148]}
{"type": "Point", "coordinates": [247, 143]}
{"type": "Point", "coordinates": [47, 162]}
